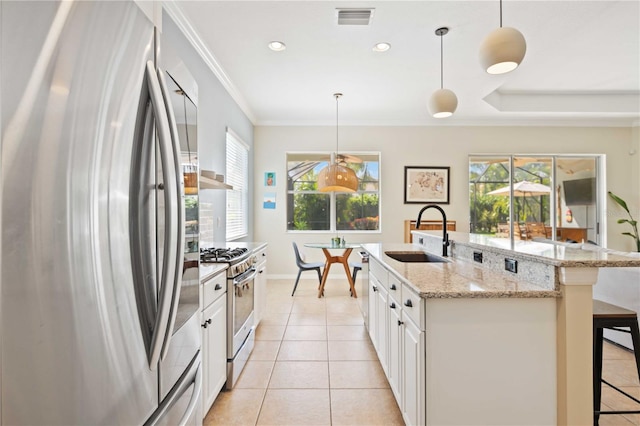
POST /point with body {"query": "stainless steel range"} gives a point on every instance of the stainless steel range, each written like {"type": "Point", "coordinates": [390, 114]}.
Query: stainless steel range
{"type": "Point", "coordinates": [240, 322]}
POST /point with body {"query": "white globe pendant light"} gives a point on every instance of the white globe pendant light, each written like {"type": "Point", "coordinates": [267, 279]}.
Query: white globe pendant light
{"type": "Point", "coordinates": [503, 49]}
{"type": "Point", "coordinates": [443, 102]}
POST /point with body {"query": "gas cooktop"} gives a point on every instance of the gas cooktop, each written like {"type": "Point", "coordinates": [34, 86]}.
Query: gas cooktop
{"type": "Point", "coordinates": [222, 255]}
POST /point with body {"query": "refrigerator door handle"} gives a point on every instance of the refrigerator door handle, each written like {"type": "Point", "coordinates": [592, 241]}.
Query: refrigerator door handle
{"type": "Point", "coordinates": [178, 226]}
{"type": "Point", "coordinates": [170, 193]}
{"type": "Point", "coordinates": [192, 376]}
{"type": "Point", "coordinates": [195, 398]}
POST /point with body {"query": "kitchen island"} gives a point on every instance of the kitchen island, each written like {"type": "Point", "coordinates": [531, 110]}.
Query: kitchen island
{"type": "Point", "coordinates": [476, 344]}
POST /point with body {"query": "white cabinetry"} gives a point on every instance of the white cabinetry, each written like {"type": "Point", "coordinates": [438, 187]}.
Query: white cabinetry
{"type": "Point", "coordinates": [260, 288]}
{"type": "Point", "coordinates": [394, 372]}
{"type": "Point", "coordinates": [413, 372]}
{"type": "Point", "coordinates": [382, 327]}
{"type": "Point", "coordinates": [378, 327]}
{"type": "Point", "coordinates": [396, 328]}
{"type": "Point", "coordinates": [214, 339]}
{"type": "Point", "coordinates": [471, 357]}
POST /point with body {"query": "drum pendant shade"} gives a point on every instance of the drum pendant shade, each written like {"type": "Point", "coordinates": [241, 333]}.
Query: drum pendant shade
{"type": "Point", "coordinates": [337, 177]}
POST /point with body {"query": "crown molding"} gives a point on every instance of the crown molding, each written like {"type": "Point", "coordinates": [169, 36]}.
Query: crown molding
{"type": "Point", "coordinates": [175, 12]}
{"type": "Point", "coordinates": [452, 122]}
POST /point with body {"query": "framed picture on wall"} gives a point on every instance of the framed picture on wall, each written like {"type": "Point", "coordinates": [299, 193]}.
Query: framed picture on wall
{"type": "Point", "coordinates": [270, 179]}
{"type": "Point", "coordinates": [426, 185]}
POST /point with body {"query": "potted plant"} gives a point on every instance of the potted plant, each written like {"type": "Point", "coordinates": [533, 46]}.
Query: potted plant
{"type": "Point", "coordinates": [631, 221]}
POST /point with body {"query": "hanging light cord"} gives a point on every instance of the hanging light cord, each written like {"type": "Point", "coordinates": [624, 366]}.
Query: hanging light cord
{"type": "Point", "coordinates": [441, 66]}
{"type": "Point", "coordinates": [337, 96]}
{"type": "Point", "coordinates": [500, 13]}
{"type": "Point", "coordinates": [337, 150]}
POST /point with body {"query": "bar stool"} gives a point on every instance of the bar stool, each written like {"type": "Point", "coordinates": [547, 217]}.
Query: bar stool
{"type": "Point", "coordinates": [606, 315]}
{"type": "Point", "coordinates": [357, 266]}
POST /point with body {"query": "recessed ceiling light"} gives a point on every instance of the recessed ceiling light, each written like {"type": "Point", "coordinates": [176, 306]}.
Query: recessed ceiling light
{"type": "Point", "coordinates": [381, 47]}
{"type": "Point", "coordinates": [277, 46]}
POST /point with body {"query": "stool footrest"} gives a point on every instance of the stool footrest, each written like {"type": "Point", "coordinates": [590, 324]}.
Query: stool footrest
{"type": "Point", "coordinates": [622, 392]}
{"type": "Point", "coordinates": [618, 412]}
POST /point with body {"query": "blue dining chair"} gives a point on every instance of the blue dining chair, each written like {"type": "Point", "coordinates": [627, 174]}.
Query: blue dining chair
{"type": "Point", "coordinates": [305, 266]}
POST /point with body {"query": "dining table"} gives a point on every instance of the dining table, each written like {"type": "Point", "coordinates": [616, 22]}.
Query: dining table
{"type": "Point", "coordinates": [331, 258]}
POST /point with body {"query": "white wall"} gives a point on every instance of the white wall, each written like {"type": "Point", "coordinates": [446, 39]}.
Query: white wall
{"type": "Point", "coordinates": [426, 146]}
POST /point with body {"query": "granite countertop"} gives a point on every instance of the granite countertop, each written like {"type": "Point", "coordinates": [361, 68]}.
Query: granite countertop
{"type": "Point", "coordinates": [575, 255]}
{"type": "Point", "coordinates": [454, 279]}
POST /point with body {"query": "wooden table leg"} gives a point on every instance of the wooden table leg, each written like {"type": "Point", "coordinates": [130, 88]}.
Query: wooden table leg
{"type": "Point", "coordinates": [325, 272]}
{"type": "Point", "coordinates": [344, 259]}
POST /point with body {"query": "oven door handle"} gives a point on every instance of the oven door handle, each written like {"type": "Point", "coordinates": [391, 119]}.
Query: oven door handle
{"type": "Point", "coordinates": [245, 277]}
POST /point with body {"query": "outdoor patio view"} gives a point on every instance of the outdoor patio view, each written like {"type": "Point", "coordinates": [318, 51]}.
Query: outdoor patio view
{"type": "Point", "coordinates": [492, 186]}
{"type": "Point", "coordinates": [311, 210]}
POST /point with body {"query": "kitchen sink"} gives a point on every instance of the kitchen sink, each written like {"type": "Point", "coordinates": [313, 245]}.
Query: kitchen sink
{"type": "Point", "coordinates": [415, 256]}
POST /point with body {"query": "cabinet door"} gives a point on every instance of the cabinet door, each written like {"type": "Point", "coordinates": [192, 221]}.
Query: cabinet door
{"type": "Point", "coordinates": [214, 351]}
{"type": "Point", "coordinates": [260, 291]}
{"type": "Point", "coordinates": [395, 341]}
{"type": "Point", "coordinates": [413, 380]}
{"type": "Point", "coordinates": [381, 327]}
{"type": "Point", "coordinates": [374, 285]}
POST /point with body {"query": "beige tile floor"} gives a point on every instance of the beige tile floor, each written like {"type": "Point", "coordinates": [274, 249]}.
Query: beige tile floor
{"type": "Point", "coordinates": [313, 364]}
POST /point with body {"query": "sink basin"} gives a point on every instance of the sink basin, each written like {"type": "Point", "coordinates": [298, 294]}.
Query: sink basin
{"type": "Point", "coordinates": [414, 256]}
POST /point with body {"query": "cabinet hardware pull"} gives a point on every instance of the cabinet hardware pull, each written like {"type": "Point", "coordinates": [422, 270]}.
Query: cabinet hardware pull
{"type": "Point", "coordinates": [393, 287]}
{"type": "Point", "coordinates": [392, 305]}
{"type": "Point", "coordinates": [218, 287]}
{"type": "Point", "coordinates": [375, 288]}
{"type": "Point", "coordinates": [400, 323]}
{"type": "Point", "coordinates": [206, 323]}
{"type": "Point", "coordinates": [408, 303]}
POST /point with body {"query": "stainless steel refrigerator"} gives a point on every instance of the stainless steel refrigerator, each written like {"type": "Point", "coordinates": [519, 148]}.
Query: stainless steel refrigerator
{"type": "Point", "coordinates": [97, 325]}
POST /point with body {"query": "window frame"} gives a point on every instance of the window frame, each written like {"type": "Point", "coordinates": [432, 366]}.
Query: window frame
{"type": "Point", "coordinates": [333, 195]}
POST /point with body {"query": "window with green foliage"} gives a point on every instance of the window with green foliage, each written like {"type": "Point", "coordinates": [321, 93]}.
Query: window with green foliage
{"type": "Point", "coordinates": [311, 210]}
{"type": "Point", "coordinates": [531, 196]}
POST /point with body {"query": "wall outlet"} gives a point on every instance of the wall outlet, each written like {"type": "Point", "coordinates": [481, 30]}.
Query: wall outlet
{"type": "Point", "coordinates": [477, 256]}
{"type": "Point", "coordinates": [511, 265]}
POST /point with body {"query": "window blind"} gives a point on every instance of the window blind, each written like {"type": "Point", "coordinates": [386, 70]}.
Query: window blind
{"type": "Point", "coordinates": [238, 177]}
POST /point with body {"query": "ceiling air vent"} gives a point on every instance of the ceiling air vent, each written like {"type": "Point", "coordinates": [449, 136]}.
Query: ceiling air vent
{"type": "Point", "coordinates": [354, 16]}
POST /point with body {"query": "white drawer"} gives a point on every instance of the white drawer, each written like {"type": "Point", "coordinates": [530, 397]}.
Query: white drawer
{"type": "Point", "coordinates": [260, 255]}
{"type": "Point", "coordinates": [394, 286]}
{"type": "Point", "coordinates": [376, 269]}
{"type": "Point", "coordinates": [214, 287]}
{"type": "Point", "coordinates": [413, 306]}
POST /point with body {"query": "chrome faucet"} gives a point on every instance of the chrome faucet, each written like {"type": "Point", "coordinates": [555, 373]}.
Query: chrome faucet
{"type": "Point", "coordinates": [445, 234]}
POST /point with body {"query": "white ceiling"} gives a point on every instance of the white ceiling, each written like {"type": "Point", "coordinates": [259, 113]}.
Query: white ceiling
{"type": "Point", "coordinates": [582, 65]}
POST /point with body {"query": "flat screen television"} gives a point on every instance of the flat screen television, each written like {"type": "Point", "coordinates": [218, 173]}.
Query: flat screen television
{"type": "Point", "coordinates": [580, 192]}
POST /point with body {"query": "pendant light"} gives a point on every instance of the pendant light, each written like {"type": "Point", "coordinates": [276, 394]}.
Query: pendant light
{"type": "Point", "coordinates": [443, 102]}
{"type": "Point", "coordinates": [337, 177]}
{"type": "Point", "coordinates": [503, 49]}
